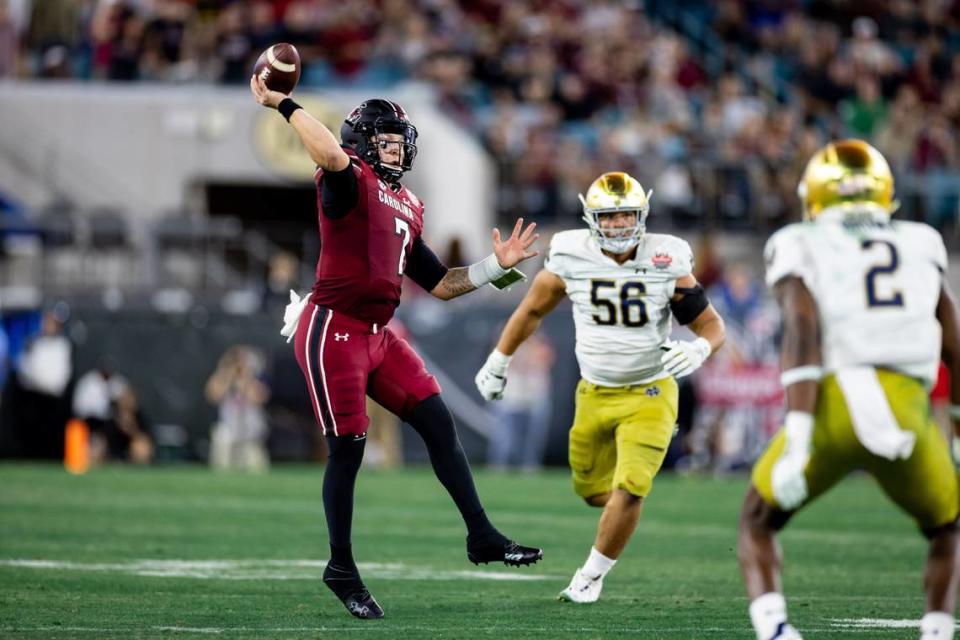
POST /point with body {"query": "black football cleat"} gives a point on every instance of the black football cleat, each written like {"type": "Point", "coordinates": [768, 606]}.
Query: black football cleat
{"type": "Point", "coordinates": [507, 552]}
{"type": "Point", "coordinates": [347, 585]}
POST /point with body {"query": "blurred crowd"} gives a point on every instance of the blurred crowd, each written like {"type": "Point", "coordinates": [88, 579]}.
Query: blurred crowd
{"type": "Point", "coordinates": [40, 393]}
{"type": "Point", "coordinates": [713, 104]}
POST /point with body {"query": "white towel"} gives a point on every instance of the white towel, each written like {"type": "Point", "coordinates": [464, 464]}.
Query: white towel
{"type": "Point", "coordinates": [873, 420]}
{"type": "Point", "coordinates": [291, 314]}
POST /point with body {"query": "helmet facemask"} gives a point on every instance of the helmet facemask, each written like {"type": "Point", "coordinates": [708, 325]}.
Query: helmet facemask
{"type": "Point", "coordinates": [616, 239]}
{"type": "Point", "coordinates": [370, 148]}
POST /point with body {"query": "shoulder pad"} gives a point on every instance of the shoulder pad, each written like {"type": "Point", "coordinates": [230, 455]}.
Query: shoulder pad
{"type": "Point", "coordinates": [669, 254]}
{"type": "Point", "coordinates": [785, 253]}
{"type": "Point", "coordinates": [567, 248]}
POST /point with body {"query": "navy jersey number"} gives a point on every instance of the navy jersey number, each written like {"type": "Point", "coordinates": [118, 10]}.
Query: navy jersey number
{"type": "Point", "coordinates": [632, 310]}
{"type": "Point", "coordinates": [873, 300]}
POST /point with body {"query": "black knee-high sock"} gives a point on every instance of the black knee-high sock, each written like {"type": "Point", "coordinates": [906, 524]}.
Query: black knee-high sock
{"type": "Point", "coordinates": [343, 464]}
{"type": "Point", "coordinates": [432, 420]}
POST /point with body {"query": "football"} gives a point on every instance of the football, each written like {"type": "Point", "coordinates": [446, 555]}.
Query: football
{"type": "Point", "coordinates": [279, 66]}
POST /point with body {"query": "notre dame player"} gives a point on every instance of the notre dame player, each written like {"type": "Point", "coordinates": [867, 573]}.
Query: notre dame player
{"type": "Point", "coordinates": [626, 286]}
{"type": "Point", "coordinates": [864, 303]}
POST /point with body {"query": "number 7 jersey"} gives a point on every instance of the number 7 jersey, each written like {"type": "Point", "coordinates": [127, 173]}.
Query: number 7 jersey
{"type": "Point", "coordinates": [876, 283]}
{"type": "Point", "coordinates": [621, 312]}
{"type": "Point", "coordinates": [363, 255]}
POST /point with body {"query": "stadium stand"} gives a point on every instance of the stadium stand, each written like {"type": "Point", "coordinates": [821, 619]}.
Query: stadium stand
{"type": "Point", "coordinates": [714, 104]}
{"type": "Point", "coordinates": [714, 112]}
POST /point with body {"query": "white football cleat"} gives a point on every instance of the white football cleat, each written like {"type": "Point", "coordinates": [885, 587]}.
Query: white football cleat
{"type": "Point", "coordinates": [787, 632]}
{"type": "Point", "coordinates": [582, 590]}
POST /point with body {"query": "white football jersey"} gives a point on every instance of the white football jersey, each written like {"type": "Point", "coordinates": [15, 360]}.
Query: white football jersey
{"type": "Point", "coordinates": [621, 312]}
{"type": "Point", "coordinates": [876, 284]}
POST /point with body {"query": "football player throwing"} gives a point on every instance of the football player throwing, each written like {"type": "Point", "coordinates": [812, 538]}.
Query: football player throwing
{"type": "Point", "coordinates": [371, 237]}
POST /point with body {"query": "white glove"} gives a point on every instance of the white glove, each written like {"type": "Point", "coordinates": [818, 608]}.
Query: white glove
{"type": "Point", "coordinates": [492, 377]}
{"type": "Point", "coordinates": [789, 484]}
{"type": "Point", "coordinates": [683, 358]}
{"type": "Point", "coordinates": [291, 314]}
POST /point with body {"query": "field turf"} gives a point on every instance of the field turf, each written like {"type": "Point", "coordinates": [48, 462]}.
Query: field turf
{"type": "Point", "coordinates": [183, 552]}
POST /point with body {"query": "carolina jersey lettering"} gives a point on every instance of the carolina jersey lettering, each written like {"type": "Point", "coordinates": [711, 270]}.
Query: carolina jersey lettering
{"type": "Point", "coordinates": [363, 255]}
{"type": "Point", "coordinates": [876, 284]}
{"type": "Point", "coordinates": [621, 312]}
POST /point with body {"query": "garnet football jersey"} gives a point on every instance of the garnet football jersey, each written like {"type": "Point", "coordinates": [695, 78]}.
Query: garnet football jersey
{"type": "Point", "coordinates": [363, 255]}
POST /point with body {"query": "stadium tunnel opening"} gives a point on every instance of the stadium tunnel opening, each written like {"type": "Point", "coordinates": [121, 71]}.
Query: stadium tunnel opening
{"type": "Point", "coordinates": [285, 214]}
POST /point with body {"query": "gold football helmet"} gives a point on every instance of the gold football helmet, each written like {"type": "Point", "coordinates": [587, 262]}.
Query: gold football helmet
{"type": "Point", "coordinates": [610, 193]}
{"type": "Point", "coordinates": [849, 175]}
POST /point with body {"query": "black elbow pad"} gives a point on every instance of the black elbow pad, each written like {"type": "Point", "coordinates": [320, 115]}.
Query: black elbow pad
{"type": "Point", "coordinates": [691, 305]}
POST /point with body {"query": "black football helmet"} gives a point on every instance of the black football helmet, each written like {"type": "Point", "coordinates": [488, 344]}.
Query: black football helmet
{"type": "Point", "coordinates": [373, 117]}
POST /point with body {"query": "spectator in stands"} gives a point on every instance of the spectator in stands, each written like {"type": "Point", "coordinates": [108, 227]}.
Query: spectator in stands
{"type": "Point", "coordinates": [897, 137]}
{"type": "Point", "coordinates": [238, 439]}
{"type": "Point", "coordinates": [9, 41]}
{"type": "Point", "coordinates": [870, 54]}
{"type": "Point", "coordinates": [535, 80]}
{"type": "Point", "coordinates": [234, 46]}
{"type": "Point", "coordinates": [866, 112]}
{"type": "Point", "coordinates": [56, 30]}
{"type": "Point", "coordinates": [166, 45]}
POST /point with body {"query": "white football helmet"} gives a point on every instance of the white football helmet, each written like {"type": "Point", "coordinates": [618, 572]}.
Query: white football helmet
{"type": "Point", "coordinates": [612, 192]}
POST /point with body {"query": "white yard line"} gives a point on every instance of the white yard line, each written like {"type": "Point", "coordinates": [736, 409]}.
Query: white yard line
{"type": "Point", "coordinates": [270, 570]}
{"type": "Point", "coordinates": [874, 623]}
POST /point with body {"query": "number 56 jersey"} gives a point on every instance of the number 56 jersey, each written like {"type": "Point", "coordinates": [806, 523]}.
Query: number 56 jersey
{"type": "Point", "coordinates": [621, 312]}
{"type": "Point", "coordinates": [876, 283]}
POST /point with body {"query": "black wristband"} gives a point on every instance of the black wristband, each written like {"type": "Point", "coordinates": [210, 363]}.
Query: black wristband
{"type": "Point", "coordinates": [286, 108]}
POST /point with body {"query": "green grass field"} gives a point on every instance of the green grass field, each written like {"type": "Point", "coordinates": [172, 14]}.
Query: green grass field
{"type": "Point", "coordinates": [183, 552]}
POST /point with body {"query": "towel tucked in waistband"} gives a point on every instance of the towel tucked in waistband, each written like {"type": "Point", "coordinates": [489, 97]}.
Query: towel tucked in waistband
{"type": "Point", "coordinates": [871, 415]}
{"type": "Point", "coordinates": [291, 314]}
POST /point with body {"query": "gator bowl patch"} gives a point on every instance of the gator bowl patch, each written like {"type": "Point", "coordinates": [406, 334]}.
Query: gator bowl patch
{"type": "Point", "coordinates": [661, 260]}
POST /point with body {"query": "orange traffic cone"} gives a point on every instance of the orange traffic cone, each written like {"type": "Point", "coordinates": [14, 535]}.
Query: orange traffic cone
{"type": "Point", "coordinates": [76, 449]}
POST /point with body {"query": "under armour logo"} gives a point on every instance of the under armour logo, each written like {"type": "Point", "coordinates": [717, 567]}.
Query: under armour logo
{"type": "Point", "coordinates": [340, 336]}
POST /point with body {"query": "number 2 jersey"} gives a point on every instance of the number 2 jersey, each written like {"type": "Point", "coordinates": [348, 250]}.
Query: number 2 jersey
{"type": "Point", "coordinates": [876, 283]}
{"type": "Point", "coordinates": [363, 254]}
{"type": "Point", "coordinates": [621, 312]}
